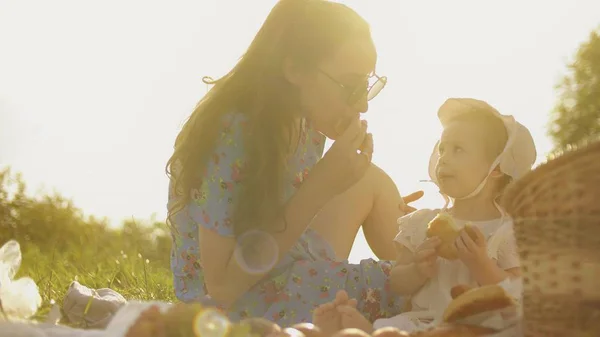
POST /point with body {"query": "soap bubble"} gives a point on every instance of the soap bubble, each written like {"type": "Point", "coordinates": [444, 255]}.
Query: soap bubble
{"type": "Point", "coordinates": [211, 323]}
{"type": "Point", "coordinates": [256, 252]}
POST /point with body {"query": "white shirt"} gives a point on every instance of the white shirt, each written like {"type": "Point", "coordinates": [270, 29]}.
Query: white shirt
{"type": "Point", "coordinates": [432, 299]}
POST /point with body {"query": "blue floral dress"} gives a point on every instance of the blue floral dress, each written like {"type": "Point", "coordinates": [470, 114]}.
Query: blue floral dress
{"type": "Point", "coordinates": [307, 276]}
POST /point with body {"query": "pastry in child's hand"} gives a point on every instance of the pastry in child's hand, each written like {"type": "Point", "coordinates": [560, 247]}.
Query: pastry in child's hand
{"type": "Point", "coordinates": [478, 300]}
{"type": "Point", "coordinates": [444, 227]}
{"type": "Point", "coordinates": [455, 330]}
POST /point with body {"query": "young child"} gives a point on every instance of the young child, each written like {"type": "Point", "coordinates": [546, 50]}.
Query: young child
{"type": "Point", "coordinates": [479, 153]}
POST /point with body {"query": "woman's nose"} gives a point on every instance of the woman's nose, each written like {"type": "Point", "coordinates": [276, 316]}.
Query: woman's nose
{"type": "Point", "coordinates": [362, 106]}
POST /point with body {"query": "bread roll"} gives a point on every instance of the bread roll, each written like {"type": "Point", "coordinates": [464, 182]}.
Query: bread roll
{"type": "Point", "coordinates": [476, 301]}
{"type": "Point", "coordinates": [455, 330]}
{"type": "Point", "coordinates": [459, 290]}
{"type": "Point", "coordinates": [443, 227]}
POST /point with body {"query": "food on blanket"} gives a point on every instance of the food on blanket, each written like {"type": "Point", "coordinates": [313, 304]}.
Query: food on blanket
{"type": "Point", "coordinates": [150, 323]}
{"type": "Point", "coordinates": [389, 332]}
{"type": "Point", "coordinates": [187, 319]}
{"type": "Point", "coordinates": [309, 330]}
{"type": "Point", "coordinates": [261, 326]}
{"type": "Point", "coordinates": [444, 227]}
{"type": "Point", "coordinates": [455, 330]}
{"type": "Point", "coordinates": [476, 301]}
{"type": "Point", "coordinates": [459, 290]}
{"type": "Point", "coordinates": [350, 333]}
{"type": "Point", "coordinates": [180, 319]}
{"type": "Point", "coordinates": [289, 332]}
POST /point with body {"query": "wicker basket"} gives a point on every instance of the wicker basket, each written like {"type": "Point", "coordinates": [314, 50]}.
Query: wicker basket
{"type": "Point", "coordinates": [556, 213]}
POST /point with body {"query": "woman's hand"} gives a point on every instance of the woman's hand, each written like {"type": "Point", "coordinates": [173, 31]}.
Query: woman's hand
{"type": "Point", "coordinates": [346, 161]}
{"type": "Point", "coordinates": [405, 207]}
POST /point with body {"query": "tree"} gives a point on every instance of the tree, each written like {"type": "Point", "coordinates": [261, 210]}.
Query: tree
{"type": "Point", "coordinates": [576, 117]}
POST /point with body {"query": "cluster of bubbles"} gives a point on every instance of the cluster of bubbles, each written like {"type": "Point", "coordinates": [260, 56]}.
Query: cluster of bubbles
{"type": "Point", "coordinates": [256, 252]}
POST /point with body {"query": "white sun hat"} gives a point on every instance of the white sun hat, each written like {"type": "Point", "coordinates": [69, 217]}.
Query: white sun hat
{"type": "Point", "coordinates": [518, 155]}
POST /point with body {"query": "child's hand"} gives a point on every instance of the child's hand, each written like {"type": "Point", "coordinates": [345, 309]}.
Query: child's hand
{"type": "Point", "coordinates": [471, 247]}
{"type": "Point", "coordinates": [425, 257]}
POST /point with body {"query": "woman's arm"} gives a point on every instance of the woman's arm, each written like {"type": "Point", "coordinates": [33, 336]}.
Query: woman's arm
{"type": "Point", "coordinates": [225, 279]}
{"type": "Point", "coordinates": [380, 226]}
{"type": "Point", "coordinates": [339, 169]}
{"type": "Point", "coordinates": [211, 210]}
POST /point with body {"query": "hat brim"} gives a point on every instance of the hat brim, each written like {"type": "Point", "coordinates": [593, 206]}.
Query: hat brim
{"type": "Point", "coordinates": [454, 107]}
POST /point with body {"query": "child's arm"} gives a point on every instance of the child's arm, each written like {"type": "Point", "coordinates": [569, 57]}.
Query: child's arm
{"type": "Point", "coordinates": [405, 279]}
{"type": "Point", "coordinates": [488, 272]}
{"type": "Point", "coordinates": [472, 250]}
{"type": "Point", "coordinates": [412, 270]}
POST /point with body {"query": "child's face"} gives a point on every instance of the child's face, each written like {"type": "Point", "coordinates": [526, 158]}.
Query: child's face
{"type": "Point", "coordinates": [463, 161]}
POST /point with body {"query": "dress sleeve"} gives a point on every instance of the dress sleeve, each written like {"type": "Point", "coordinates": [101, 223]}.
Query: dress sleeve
{"type": "Point", "coordinates": [508, 253]}
{"type": "Point", "coordinates": [412, 228]}
{"type": "Point", "coordinates": [211, 205]}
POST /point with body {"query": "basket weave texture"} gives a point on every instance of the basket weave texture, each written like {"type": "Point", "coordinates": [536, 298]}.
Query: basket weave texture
{"type": "Point", "coordinates": [556, 213]}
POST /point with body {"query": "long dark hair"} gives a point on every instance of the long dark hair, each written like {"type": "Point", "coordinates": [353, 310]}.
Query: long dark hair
{"type": "Point", "coordinates": [304, 31]}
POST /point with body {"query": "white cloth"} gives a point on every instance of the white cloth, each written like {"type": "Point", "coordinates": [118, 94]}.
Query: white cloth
{"type": "Point", "coordinates": [30, 329]}
{"type": "Point", "coordinates": [429, 303]}
{"type": "Point", "coordinates": [117, 327]}
{"type": "Point", "coordinates": [92, 308]}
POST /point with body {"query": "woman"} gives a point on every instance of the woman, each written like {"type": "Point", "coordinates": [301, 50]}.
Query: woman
{"type": "Point", "coordinates": [241, 165]}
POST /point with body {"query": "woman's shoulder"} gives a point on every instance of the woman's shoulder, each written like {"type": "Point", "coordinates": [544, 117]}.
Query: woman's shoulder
{"type": "Point", "coordinates": [233, 123]}
{"type": "Point", "coordinates": [230, 135]}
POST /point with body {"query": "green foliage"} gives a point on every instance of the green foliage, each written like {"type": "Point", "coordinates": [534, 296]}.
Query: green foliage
{"type": "Point", "coordinates": [576, 117]}
{"type": "Point", "coordinates": [59, 245]}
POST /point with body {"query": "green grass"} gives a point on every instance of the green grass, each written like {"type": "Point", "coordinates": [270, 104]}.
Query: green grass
{"type": "Point", "coordinates": [130, 274]}
{"type": "Point", "coordinates": [59, 245]}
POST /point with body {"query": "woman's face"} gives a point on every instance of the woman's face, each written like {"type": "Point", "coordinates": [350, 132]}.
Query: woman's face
{"type": "Point", "coordinates": [326, 92]}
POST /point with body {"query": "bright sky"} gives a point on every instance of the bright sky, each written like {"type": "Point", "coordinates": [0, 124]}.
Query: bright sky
{"type": "Point", "coordinates": [93, 93]}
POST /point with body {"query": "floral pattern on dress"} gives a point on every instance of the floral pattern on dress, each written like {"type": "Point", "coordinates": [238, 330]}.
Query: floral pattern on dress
{"type": "Point", "coordinates": [307, 276]}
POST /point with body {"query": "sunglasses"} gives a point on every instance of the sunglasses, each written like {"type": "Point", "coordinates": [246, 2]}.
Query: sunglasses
{"type": "Point", "coordinates": [356, 93]}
